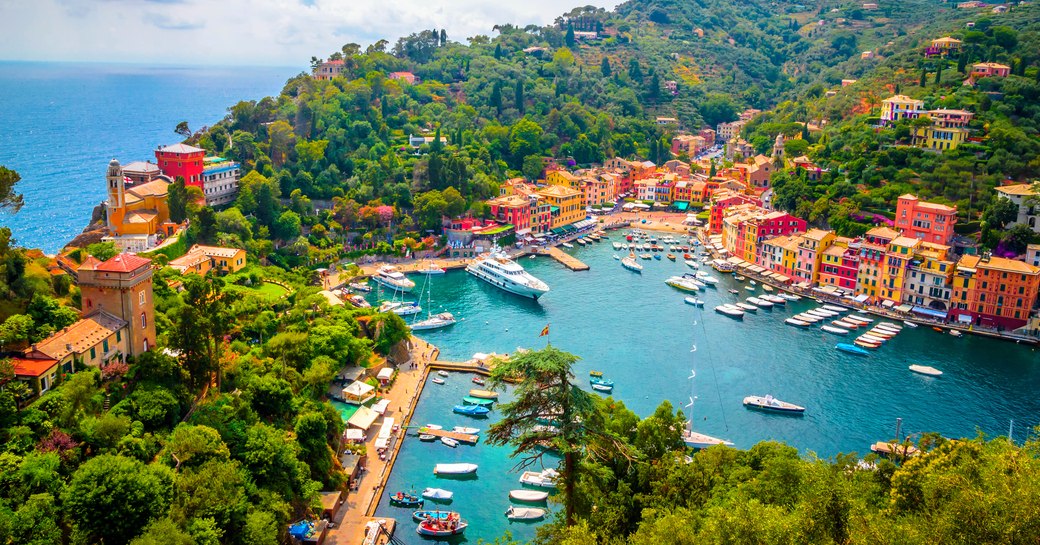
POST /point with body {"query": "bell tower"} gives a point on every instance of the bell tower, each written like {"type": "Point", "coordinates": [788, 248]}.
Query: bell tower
{"type": "Point", "coordinates": [116, 194]}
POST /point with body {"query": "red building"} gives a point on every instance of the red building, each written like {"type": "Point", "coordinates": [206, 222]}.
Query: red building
{"type": "Point", "coordinates": [513, 209]}
{"type": "Point", "coordinates": [925, 221]}
{"type": "Point", "coordinates": [182, 160]}
{"type": "Point", "coordinates": [719, 206]}
{"type": "Point", "coordinates": [839, 267]}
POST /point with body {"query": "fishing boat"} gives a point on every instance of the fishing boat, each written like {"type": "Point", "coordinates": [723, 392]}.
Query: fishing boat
{"type": "Point", "coordinates": [682, 284]}
{"type": "Point", "coordinates": [479, 380]}
{"type": "Point", "coordinates": [438, 380]}
{"type": "Point", "coordinates": [471, 410]}
{"type": "Point", "coordinates": [795, 321]}
{"type": "Point", "coordinates": [956, 333]}
{"type": "Point", "coordinates": [360, 286]}
{"type": "Point", "coordinates": [467, 431]}
{"type": "Point", "coordinates": [746, 307]}
{"type": "Point", "coordinates": [497, 269]}
{"type": "Point", "coordinates": [528, 495]}
{"type": "Point", "coordinates": [392, 278]}
{"type": "Point", "coordinates": [404, 499]}
{"type": "Point", "coordinates": [454, 469]}
{"type": "Point", "coordinates": [693, 301]}
{"type": "Point", "coordinates": [525, 513]}
{"type": "Point", "coordinates": [926, 370]}
{"type": "Point", "coordinates": [449, 442]}
{"type": "Point", "coordinates": [631, 264]}
{"type": "Point", "coordinates": [770, 403]}
{"type": "Point", "coordinates": [731, 311]}
{"type": "Point", "coordinates": [484, 394]}
{"type": "Point", "coordinates": [419, 516]}
{"type": "Point", "coordinates": [566, 245]}
{"type": "Point", "coordinates": [835, 330]}
{"type": "Point", "coordinates": [851, 349]}
{"type": "Point", "coordinates": [545, 478]}
{"type": "Point", "coordinates": [442, 527]}
{"type": "Point", "coordinates": [909, 323]}
{"type": "Point", "coordinates": [470, 400]}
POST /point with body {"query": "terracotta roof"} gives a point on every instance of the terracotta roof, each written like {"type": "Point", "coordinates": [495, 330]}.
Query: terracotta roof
{"type": "Point", "coordinates": [903, 99]}
{"type": "Point", "coordinates": [946, 39]}
{"type": "Point", "coordinates": [180, 148]}
{"type": "Point", "coordinates": [156, 188]}
{"type": "Point", "coordinates": [905, 241]}
{"type": "Point", "coordinates": [559, 191]}
{"type": "Point", "coordinates": [80, 336]}
{"type": "Point", "coordinates": [990, 65]}
{"type": "Point", "coordinates": [1019, 190]}
{"type": "Point", "coordinates": [188, 260]}
{"type": "Point", "coordinates": [968, 262]}
{"type": "Point", "coordinates": [835, 251]}
{"type": "Point", "coordinates": [140, 216]}
{"type": "Point", "coordinates": [815, 234]}
{"type": "Point", "coordinates": [123, 263]}
{"type": "Point", "coordinates": [90, 263]}
{"type": "Point", "coordinates": [215, 251]}
{"type": "Point", "coordinates": [1008, 265]}
{"type": "Point", "coordinates": [883, 232]}
{"type": "Point", "coordinates": [24, 367]}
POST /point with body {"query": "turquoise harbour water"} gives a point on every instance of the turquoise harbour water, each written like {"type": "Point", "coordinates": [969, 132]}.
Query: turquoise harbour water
{"type": "Point", "coordinates": [638, 331]}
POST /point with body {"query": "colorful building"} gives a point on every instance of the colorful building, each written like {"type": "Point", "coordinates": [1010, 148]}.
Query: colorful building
{"type": "Point", "coordinates": [951, 118]}
{"type": "Point", "coordinates": [900, 107]}
{"type": "Point", "coordinates": [93, 341]}
{"type": "Point", "coordinates": [994, 291]}
{"type": "Point", "coordinates": [928, 282]}
{"type": "Point", "coordinates": [723, 200]}
{"type": "Point", "coordinates": [512, 209]}
{"type": "Point", "coordinates": [990, 70]}
{"type": "Point", "coordinates": [565, 205]}
{"type": "Point", "coordinates": [202, 259]}
{"type": "Point", "coordinates": [219, 180]}
{"type": "Point", "coordinates": [810, 250]}
{"type": "Point", "coordinates": [1025, 197]}
{"type": "Point", "coordinates": [944, 47]}
{"type": "Point", "coordinates": [926, 221]}
{"type": "Point", "coordinates": [182, 160]}
{"type": "Point", "coordinates": [872, 250]}
{"type": "Point", "coordinates": [122, 287]}
{"type": "Point", "coordinates": [839, 265]}
{"type": "Point", "coordinates": [939, 138]}
{"type": "Point", "coordinates": [137, 217]}
{"type": "Point", "coordinates": [898, 257]}
{"type": "Point", "coordinates": [780, 254]}
{"type": "Point", "coordinates": [329, 69]}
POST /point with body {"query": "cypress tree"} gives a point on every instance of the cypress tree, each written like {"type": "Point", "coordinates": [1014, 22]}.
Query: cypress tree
{"type": "Point", "coordinates": [605, 67]}
{"type": "Point", "coordinates": [520, 96]}
{"type": "Point", "coordinates": [938, 74]}
{"type": "Point", "coordinates": [924, 77]}
{"type": "Point", "coordinates": [498, 51]}
{"type": "Point", "coordinates": [962, 63]}
{"type": "Point", "coordinates": [569, 37]}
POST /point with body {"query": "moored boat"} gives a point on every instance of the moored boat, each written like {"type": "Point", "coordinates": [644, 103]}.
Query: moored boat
{"type": "Point", "coordinates": [671, 257]}
{"type": "Point", "coordinates": [449, 442]}
{"type": "Point", "coordinates": [909, 323]}
{"type": "Point", "coordinates": [746, 307]}
{"type": "Point", "coordinates": [851, 349]}
{"type": "Point", "coordinates": [770, 403]}
{"type": "Point", "coordinates": [524, 513]}
{"type": "Point", "coordinates": [483, 402]}
{"type": "Point", "coordinates": [731, 311]}
{"type": "Point", "coordinates": [956, 333]}
{"type": "Point", "coordinates": [566, 245]}
{"type": "Point", "coordinates": [405, 499]}
{"type": "Point", "coordinates": [479, 380]}
{"type": "Point", "coordinates": [444, 319]}
{"type": "Point", "coordinates": [497, 269]}
{"type": "Point", "coordinates": [631, 264]}
{"type": "Point", "coordinates": [436, 527]}
{"type": "Point", "coordinates": [796, 322]}
{"type": "Point", "coordinates": [545, 478]}
{"type": "Point", "coordinates": [835, 308]}
{"type": "Point", "coordinates": [471, 410]}
{"type": "Point", "coordinates": [528, 495]}
{"type": "Point", "coordinates": [866, 344]}
{"type": "Point", "coordinates": [693, 301]}
{"type": "Point", "coordinates": [388, 276]}
{"type": "Point", "coordinates": [438, 380]}
{"type": "Point", "coordinates": [360, 286]}
{"type": "Point", "coordinates": [682, 284]}
{"type": "Point", "coordinates": [835, 330]}
{"type": "Point", "coordinates": [759, 302]}
{"type": "Point", "coordinates": [419, 516]}
{"type": "Point", "coordinates": [485, 394]}
{"type": "Point", "coordinates": [926, 370]}
{"type": "Point", "coordinates": [845, 324]}
{"type": "Point", "coordinates": [467, 431]}
{"type": "Point", "coordinates": [454, 469]}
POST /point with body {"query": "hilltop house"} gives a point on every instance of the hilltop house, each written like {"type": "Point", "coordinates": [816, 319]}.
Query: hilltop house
{"type": "Point", "coordinates": [1027, 198]}
{"type": "Point", "coordinates": [328, 70]}
{"type": "Point", "coordinates": [202, 259]}
{"type": "Point", "coordinates": [990, 70]}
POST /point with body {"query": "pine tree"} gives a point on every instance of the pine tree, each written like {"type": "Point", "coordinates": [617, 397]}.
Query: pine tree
{"type": "Point", "coordinates": [605, 67]}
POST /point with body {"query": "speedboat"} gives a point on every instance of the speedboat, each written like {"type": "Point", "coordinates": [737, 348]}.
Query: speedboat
{"type": "Point", "coordinates": [419, 516]}
{"type": "Point", "coordinates": [602, 387]}
{"type": "Point", "coordinates": [497, 269]}
{"type": "Point", "coordinates": [454, 469]}
{"type": "Point", "coordinates": [746, 307]}
{"type": "Point", "coordinates": [442, 527]}
{"type": "Point", "coordinates": [448, 441]}
{"type": "Point", "coordinates": [692, 264]}
{"type": "Point", "coordinates": [770, 403]}
{"type": "Point", "coordinates": [525, 513]}
{"type": "Point", "coordinates": [631, 264]}
{"type": "Point", "coordinates": [545, 478]}
{"type": "Point", "coordinates": [528, 495]}
{"type": "Point", "coordinates": [471, 410]}
{"type": "Point", "coordinates": [835, 330]}
{"type": "Point", "coordinates": [438, 321]}
{"type": "Point", "coordinates": [956, 333]}
{"type": "Point", "coordinates": [483, 394]}
{"type": "Point", "coordinates": [926, 370]}
{"type": "Point", "coordinates": [731, 311]}
{"type": "Point", "coordinates": [682, 284]}
{"type": "Point", "coordinates": [566, 245]}
{"type": "Point", "coordinates": [760, 303]}
{"type": "Point", "coordinates": [467, 431]}
{"type": "Point", "coordinates": [909, 323]}
{"type": "Point", "coordinates": [404, 499]}
{"type": "Point", "coordinates": [693, 301]}
{"type": "Point", "coordinates": [851, 349]}
{"type": "Point", "coordinates": [795, 321]}
{"type": "Point", "coordinates": [470, 400]}
{"type": "Point", "coordinates": [390, 277]}
{"type": "Point", "coordinates": [437, 494]}
{"type": "Point", "coordinates": [360, 286]}
{"type": "Point", "coordinates": [708, 279]}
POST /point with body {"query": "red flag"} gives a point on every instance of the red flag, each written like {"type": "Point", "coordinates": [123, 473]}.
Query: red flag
{"type": "Point", "coordinates": [545, 331]}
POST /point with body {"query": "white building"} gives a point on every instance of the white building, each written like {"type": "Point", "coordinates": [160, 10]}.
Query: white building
{"type": "Point", "coordinates": [220, 180]}
{"type": "Point", "coordinates": [1027, 198]}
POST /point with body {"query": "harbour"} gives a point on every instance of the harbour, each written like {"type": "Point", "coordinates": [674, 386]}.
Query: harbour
{"type": "Point", "coordinates": [851, 401]}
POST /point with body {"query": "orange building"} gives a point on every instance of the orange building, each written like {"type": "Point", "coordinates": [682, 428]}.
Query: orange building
{"type": "Point", "coordinates": [137, 217]}
{"type": "Point", "coordinates": [994, 291]}
{"type": "Point", "coordinates": [122, 287]}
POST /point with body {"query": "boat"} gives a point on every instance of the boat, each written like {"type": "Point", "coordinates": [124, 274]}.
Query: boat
{"type": "Point", "coordinates": [866, 344]}
{"type": "Point", "coordinates": [682, 284]}
{"type": "Point", "coordinates": [692, 264]}
{"type": "Point", "coordinates": [545, 478]}
{"type": "Point", "coordinates": [887, 325]}
{"type": "Point", "coordinates": [835, 308]}
{"type": "Point", "coordinates": [617, 256]}
{"type": "Point", "coordinates": [392, 278]}
{"type": "Point", "coordinates": [443, 373]}
{"type": "Point", "coordinates": [631, 264]}
{"type": "Point", "coordinates": [432, 269]}
{"type": "Point", "coordinates": [426, 437]}
{"type": "Point", "coordinates": [471, 410]}
{"type": "Point", "coordinates": [739, 278]}
{"type": "Point", "coordinates": [861, 318]}
{"type": "Point", "coordinates": [773, 299]}
{"type": "Point", "coordinates": [767, 287]}
{"type": "Point", "coordinates": [525, 513]}
{"type": "Point", "coordinates": [479, 380]}
{"type": "Point", "coordinates": [909, 324]}
{"type": "Point", "coordinates": [448, 441]}
{"type": "Point", "coordinates": [926, 370]}
{"type": "Point", "coordinates": [671, 257]}
{"type": "Point", "coordinates": [400, 308]}
{"type": "Point", "coordinates": [937, 329]}
{"type": "Point", "coordinates": [483, 402]}
{"type": "Point", "coordinates": [404, 499]}
{"type": "Point", "coordinates": [616, 245]}
{"type": "Point", "coordinates": [693, 301]}
{"type": "Point", "coordinates": [528, 495]}
{"type": "Point", "coordinates": [810, 318]}
{"type": "Point", "coordinates": [750, 288]}
{"type": "Point", "coordinates": [746, 307]}
{"type": "Point", "coordinates": [444, 319]}
{"type": "Point", "coordinates": [770, 403]}
{"type": "Point", "coordinates": [601, 381]}
{"type": "Point", "coordinates": [823, 312]}
{"type": "Point", "coordinates": [358, 301]}
{"type": "Point", "coordinates": [880, 333]}
{"type": "Point", "coordinates": [467, 431]}
{"type": "Point", "coordinates": [797, 322]}
{"type": "Point", "coordinates": [497, 269]}
{"type": "Point", "coordinates": [759, 302]}
{"type": "Point", "coordinates": [731, 311]}
{"type": "Point", "coordinates": [581, 242]}
{"type": "Point", "coordinates": [438, 380]}
{"type": "Point", "coordinates": [657, 257]}
{"type": "Point", "coordinates": [857, 320]}
{"type": "Point", "coordinates": [360, 286]}
{"type": "Point", "coordinates": [433, 427]}
{"type": "Point", "coordinates": [722, 266]}
{"type": "Point", "coordinates": [734, 292]}
{"type": "Point", "coordinates": [595, 373]}
{"type": "Point", "coordinates": [851, 349]}
{"type": "Point", "coordinates": [419, 516]}
{"type": "Point", "coordinates": [835, 330]}
{"type": "Point", "coordinates": [956, 333]}
{"type": "Point", "coordinates": [454, 469]}
{"type": "Point", "coordinates": [484, 394]}
{"type": "Point", "coordinates": [602, 388]}
{"type": "Point", "coordinates": [845, 324]}
{"type": "Point", "coordinates": [889, 448]}
{"type": "Point", "coordinates": [442, 527]}
{"type": "Point", "coordinates": [566, 245]}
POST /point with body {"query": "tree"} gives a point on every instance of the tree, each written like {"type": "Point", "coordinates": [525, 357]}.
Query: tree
{"type": "Point", "coordinates": [288, 226]}
{"type": "Point", "coordinates": [924, 77]}
{"type": "Point", "coordinates": [163, 532]}
{"type": "Point", "coordinates": [532, 168]}
{"type": "Point", "coordinates": [604, 67]}
{"type": "Point", "coordinates": [498, 51]}
{"type": "Point", "coordinates": [182, 129]}
{"type": "Point", "coordinates": [111, 498]}
{"type": "Point", "coordinates": [103, 250]}
{"type": "Point", "coordinates": [524, 139]}
{"type": "Point", "coordinates": [177, 200]}
{"type": "Point", "coordinates": [634, 70]}
{"type": "Point", "coordinates": [519, 96]}
{"type": "Point", "coordinates": [938, 73]}
{"type": "Point", "coordinates": [496, 97]}
{"type": "Point", "coordinates": [568, 39]}
{"type": "Point", "coordinates": [545, 389]}
{"type": "Point", "coordinates": [9, 199]}
{"type": "Point", "coordinates": [1002, 212]}
{"type": "Point", "coordinates": [199, 325]}
{"type": "Point", "coordinates": [206, 225]}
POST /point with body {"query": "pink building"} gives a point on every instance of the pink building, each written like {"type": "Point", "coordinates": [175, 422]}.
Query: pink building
{"type": "Point", "coordinates": [990, 70]}
{"type": "Point", "coordinates": [406, 77]}
{"type": "Point", "coordinates": [810, 250]}
{"type": "Point", "coordinates": [840, 266]}
{"type": "Point", "coordinates": [925, 221]}
{"type": "Point", "coordinates": [718, 206]}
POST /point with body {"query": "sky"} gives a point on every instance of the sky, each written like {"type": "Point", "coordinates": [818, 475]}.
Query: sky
{"type": "Point", "coordinates": [248, 32]}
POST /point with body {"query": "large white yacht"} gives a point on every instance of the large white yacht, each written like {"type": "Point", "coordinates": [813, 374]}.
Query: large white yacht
{"type": "Point", "coordinates": [497, 269]}
{"type": "Point", "coordinates": [390, 277]}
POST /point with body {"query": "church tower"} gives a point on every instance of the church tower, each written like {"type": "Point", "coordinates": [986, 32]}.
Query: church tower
{"type": "Point", "coordinates": [778, 146]}
{"type": "Point", "coordinates": [116, 204]}
{"type": "Point", "coordinates": [121, 286]}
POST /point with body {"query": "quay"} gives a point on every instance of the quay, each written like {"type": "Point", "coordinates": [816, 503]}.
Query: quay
{"type": "Point", "coordinates": [567, 260]}
{"type": "Point", "coordinates": [460, 437]}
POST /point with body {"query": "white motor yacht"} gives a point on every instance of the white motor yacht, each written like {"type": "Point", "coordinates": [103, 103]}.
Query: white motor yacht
{"type": "Point", "coordinates": [497, 269]}
{"type": "Point", "coordinates": [392, 278]}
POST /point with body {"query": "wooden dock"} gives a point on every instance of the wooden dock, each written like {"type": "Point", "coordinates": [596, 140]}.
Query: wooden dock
{"type": "Point", "coordinates": [568, 261]}
{"type": "Point", "coordinates": [460, 437]}
{"type": "Point", "coordinates": [377, 536]}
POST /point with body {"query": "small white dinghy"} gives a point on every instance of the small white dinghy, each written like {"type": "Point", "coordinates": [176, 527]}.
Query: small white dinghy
{"type": "Point", "coordinates": [926, 370]}
{"type": "Point", "coordinates": [437, 494]}
{"type": "Point", "coordinates": [448, 441]}
{"type": "Point", "coordinates": [438, 380]}
{"type": "Point", "coordinates": [528, 495]}
{"type": "Point", "coordinates": [525, 513]}
{"type": "Point", "coordinates": [454, 469]}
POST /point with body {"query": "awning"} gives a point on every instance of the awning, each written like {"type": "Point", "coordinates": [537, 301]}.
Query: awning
{"type": "Point", "coordinates": [382, 443]}
{"type": "Point", "coordinates": [554, 209]}
{"type": "Point", "coordinates": [354, 434]}
{"type": "Point", "coordinates": [862, 298]}
{"type": "Point", "coordinates": [539, 235]}
{"type": "Point", "coordinates": [387, 428]}
{"type": "Point", "coordinates": [904, 308]}
{"type": "Point", "coordinates": [385, 373]}
{"type": "Point", "coordinates": [357, 390]}
{"type": "Point", "coordinates": [681, 205]}
{"type": "Point", "coordinates": [941, 314]}
{"type": "Point", "coordinates": [363, 418]}
{"type": "Point", "coordinates": [556, 231]}
{"type": "Point", "coordinates": [381, 406]}
{"type": "Point", "coordinates": [888, 304]}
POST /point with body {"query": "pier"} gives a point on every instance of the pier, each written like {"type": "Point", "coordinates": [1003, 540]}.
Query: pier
{"type": "Point", "coordinates": [567, 260]}
{"type": "Point", "coordinates": [460, 437]}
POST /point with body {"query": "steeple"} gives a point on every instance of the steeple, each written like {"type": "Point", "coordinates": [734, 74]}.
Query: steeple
{"type": "Point", "coordinates": [116, 190]}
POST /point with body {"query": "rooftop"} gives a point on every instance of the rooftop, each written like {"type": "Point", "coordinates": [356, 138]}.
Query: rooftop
{"type": "Point", "coordinates": [559, 191]}
{"type": "Point", "coordinates": [180, 149]}
{"type": "Point", "coordinates": [1008, 265]}
{"type": "Point", "coordinates": [141, 166]}
{"type": "Point", "coordinates": [1019, 190]}
{"type": "Point", "coordinates": [815, 234]}
{"type": "Point", "coordinates": [24, 367]}
{"type": "Point", "coordinates": [883, 232]}
{"type": "Point", "coordinates": [123, 263]}
{"type": "Point", "coordinates": [80, 336]}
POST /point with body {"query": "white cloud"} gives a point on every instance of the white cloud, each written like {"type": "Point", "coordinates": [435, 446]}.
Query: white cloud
{"type": "Point", "coordinates": [266, 32]}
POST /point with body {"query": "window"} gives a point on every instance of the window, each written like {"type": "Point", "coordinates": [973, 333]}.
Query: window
{"type": "Point", "coordinates": [92, 353]}
{"type": "Point", "coordinates": [144, 320]}
{"type": "Point", "coordinates": [142, 297]}
{"type": "Point", "coordinates": [104, 346]}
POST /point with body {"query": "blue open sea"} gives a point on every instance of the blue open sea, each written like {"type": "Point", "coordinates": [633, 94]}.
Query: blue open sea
{"type": "Point", "coordinates": [639, 332]}
{"type": "Point", "coordinates": [63, 122]}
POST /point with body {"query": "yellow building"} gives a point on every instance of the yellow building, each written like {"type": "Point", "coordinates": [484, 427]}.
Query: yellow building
{"type": "Point", "coordinates": [897, 259]}
{"type": "Point", "coordinates": [565, 205]}
{"type": "Point", "coordinates": [939, 138]}
{"type": "Point", "coordinates": [94, 340]}
{"type": "Point", "coordinates": [562, 177]}
{"type": "Point", "coordinates": [201, 259]}
{"type": "Point", "coordinates": [137, 215]}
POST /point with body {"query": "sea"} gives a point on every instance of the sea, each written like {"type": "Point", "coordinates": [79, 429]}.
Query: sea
{"type": "Point", "coordinates": [63, 122]}
{"type": "Point", "coordinates": [639, 332]}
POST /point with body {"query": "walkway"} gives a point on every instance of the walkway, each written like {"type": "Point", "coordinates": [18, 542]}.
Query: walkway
{"type": "Point", "coordinates": [568, 260]}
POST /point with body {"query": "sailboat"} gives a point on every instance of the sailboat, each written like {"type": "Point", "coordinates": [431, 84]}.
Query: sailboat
{"type": "Point", "coordinates": [443, 319]}
{"type": "Point", "coordinates": [399, 307]}
{"type": "Point", "coordinates": [694, 439]}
